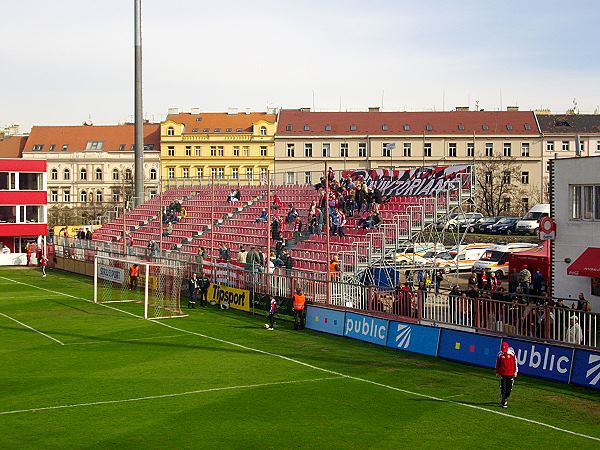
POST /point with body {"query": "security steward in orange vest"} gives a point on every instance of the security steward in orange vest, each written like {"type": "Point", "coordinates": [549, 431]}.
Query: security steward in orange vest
{"type": "Point", "coordinates": [298, 304]}
{"type": "Point", "coordinates": [134, 274]}
{"type": "Point", "coordinates": [334, 267]}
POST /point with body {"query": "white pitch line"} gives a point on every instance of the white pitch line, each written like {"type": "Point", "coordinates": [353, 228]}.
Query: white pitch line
{"type": "Point", "coordinates": [118, 341]}
{"type": "Point", "coordinates": [364, 380]}
{"type": "Point", "coordinates": [32, 329]}
{"type": "Point", "coordinates": [154, 397]}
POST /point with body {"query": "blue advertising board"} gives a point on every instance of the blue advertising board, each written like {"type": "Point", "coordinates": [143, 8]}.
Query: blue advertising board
{"type": "Point", "coordinates": [325, 320]}
{"type": "Point", "coordinates": [413, 338]}
{"type": "Point", "coordinates": [586, 369]}
{"type": "Point", "coordinates": [469, 347]}
{"type": "Point", "coordinates": [541, 360]}
{"type": "Point", "coordinates": [366, 328]}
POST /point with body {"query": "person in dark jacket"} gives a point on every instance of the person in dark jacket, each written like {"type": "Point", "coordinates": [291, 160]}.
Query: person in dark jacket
{"type": "Point", "coordinates": [203, 286]}
{"type": "Point", "coordinates": [193, 290]}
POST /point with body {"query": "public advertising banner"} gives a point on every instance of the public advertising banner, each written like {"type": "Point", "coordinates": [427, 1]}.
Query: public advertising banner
{"type": "Point", "coordinates": [586, 369]}
{"type": "Point", "coordinates": [366, 328]}
{"type": "Point", "coordinates": [325, 320]}
{"type": "Point", "coordinates": [413, 338]}
{"type": "Point", "coordinates": [541, 360]}
{"type": "Point", "coordinates": [469, 347]}
{"type": "Point", "coordinates": [235, 298]}
{"type": "Point", "coordinates": [109, 273]}
{"type": "Point", "coordinates": [422, 181]}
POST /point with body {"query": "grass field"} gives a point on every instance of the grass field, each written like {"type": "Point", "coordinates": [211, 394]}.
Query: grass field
{"type": "Point", "coordinates": [78, 375]}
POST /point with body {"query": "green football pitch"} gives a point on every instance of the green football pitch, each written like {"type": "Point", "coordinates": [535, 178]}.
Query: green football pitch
{"type": "Point", "coordinates": [74, 374]}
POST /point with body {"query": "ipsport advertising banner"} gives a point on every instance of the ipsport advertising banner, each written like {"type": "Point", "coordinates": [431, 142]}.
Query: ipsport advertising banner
{"type": "Point", "coordinates": [366, 328]}
{"type": "Point", "coordinates": [471, 348]}
{"type": "Point", "coordinates": [325, 320]}
{"type": "Point", "coordinates": [236, 298]}
{"type": "Point", "coordinates": [541, 360]}
{"type": "Point", "coordinates": [586, 369]}
{"type": "Point", "coordinates": [413, 338]}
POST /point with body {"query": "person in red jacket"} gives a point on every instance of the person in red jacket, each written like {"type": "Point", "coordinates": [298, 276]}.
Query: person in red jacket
{"type": "Point", "coordinates": [506, 370]}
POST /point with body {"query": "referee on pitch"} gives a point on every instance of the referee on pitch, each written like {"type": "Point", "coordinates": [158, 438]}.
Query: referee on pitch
{"type": "Point", "coordinates": [506, 370]}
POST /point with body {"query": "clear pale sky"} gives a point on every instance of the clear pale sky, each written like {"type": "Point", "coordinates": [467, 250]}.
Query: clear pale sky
{"type": "Point", "coordinates": [66, 60]}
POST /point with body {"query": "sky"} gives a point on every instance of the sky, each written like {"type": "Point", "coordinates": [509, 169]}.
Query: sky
{"type": "Point", "coordinates": [68, 61]}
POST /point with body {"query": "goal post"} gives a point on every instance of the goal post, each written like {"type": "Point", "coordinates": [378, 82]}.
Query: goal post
{"type": "Point", "coordinates": [154, 286]}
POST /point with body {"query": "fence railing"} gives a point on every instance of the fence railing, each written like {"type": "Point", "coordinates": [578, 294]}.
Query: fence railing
{"type": "Point", "coordinates": [515, 317]}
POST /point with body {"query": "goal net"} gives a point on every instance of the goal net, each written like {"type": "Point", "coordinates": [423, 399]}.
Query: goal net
{"type": "Point", "coordinates": [154, 286]}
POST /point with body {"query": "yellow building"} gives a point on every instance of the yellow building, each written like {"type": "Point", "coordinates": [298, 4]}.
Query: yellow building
{"type": "Point", "coordinates": [233, 147]}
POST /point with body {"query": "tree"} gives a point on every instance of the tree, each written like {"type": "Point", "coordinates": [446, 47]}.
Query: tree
{"type": "Point", "coordinates": [499, 191]}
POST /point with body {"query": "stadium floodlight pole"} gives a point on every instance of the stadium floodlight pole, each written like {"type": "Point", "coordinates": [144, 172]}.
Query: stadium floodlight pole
{"type": "Point", "coordinates": [268, 255]}
{"type": "Point", "coordinates": [328, 249]}
{"type": "Point", "coordinates": [124, 203]}
{"type": "Point", "coordinates": [139, 116]}
{"type": "Point", "coordinates": [160, 217]}
{"type": "Point", "coordinates": [212, 225]}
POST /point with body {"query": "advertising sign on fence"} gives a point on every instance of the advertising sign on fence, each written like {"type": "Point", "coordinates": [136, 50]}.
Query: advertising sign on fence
{"type": "Point", "coordinates": [325, 320]}
{"type": "Point", "coordinates": [541, 360]}
{"type": "Point", "coordinates": [469, 347]}
{"type": "Point", "coordinates": [366, 328]}
{"type": "Point", "coordinates": [236, 298]}
{"type": "Point", "coordinates": [108, 273]}
{"type": "Point", "coordinates": [413, 338]}
{"type": "Point", "coordinates": [586, 369]}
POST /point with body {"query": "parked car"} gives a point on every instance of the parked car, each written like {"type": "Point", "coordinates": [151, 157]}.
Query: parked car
{"type": "Point", "coordinates": [469, 224]}
{"type": "Point", "coordinates": [463, 259]}
{"type": "Point", "coordinates": [485, 225]}
{"type": "Point", "coordinates": [506, 226]}
{"type": "Point", "coordinates": [495, 258]}
{"type": "Point", "coordinates": [454, 219]}
{"type": "Point", "coordinates": [412, 255]}
{"type": "Point", "coordinates": [530, 223]}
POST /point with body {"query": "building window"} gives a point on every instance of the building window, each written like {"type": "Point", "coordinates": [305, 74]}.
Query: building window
{"type": "Point", "coordinates": [197, 148]}
{"type": "Point", "coordinates": [116, 196]}
{"type": "Point", "coordinates": [199, 173]}
{"type": "Point", "coordinates": [263, 131]}
{"type": "Point", "coordinates": [188, 150]}
{"type": "Point", "coordinates": [307, 177]}
{"type": "Point", "coordinates": [290, 150]}
{"type": "Point", "coordinates": [306, 127]}
{"type": "Point", "coordinates": [153, 174]}
{"type": "Point", "coordinates": [98, 196]}
{"type": "Point", "coordinates": [598, 146]}
{"type": "Point", "coordinates": [171, 173]}
{"type": "Point", "coordinates": [581, 146]}
{"type": "Point", "coordinates": [353, 127]}
{"type": "Point", "coordinates": [470, 149]}
{"type": "Point", "coordinates": [52, 148]}
{"type": "Point", "coordinates": [427, 149]}
{"type": "Point", "coordinates": [565, 146]}
{"type": "Point", "coordinates": [385, 127]}
{"type": "Point", "coordinates": [122, 147]}
{"type": "Point", "coordinates": [452, 150]}
{"type": "Point", "coordinates": [290, 178]}
{"type": "Point", "coordinates": [83, 174]}
{"type": "Point", "coordinates": [37, 148]}
{"type": "Point", "coordinates": [115, 174]}
{"type": "Point", "coordinates": [506, 177]}
{"type": "Point", "coordinates": [488, 177]}
{"type": "Point", "coordinates": [406, 127]}
{"type": "Point", "coordinates": [54, 196]}
{"type": "Point", "coordinates": [213, 151]}
{"type": "Point", "coordinates": [54, 174]}
{"type": "Point", "coordinates": [386, 150]}
{"type": "Point", "coordinates": [550, 146]}
{"type": "Point", "coordinates": [170, 151]}
{"type": "Point", "coordinates": [66, 196]}
{"type": "Point", "coordinates": [406, 150]}
{"type": "Point", "coordinates": [525, 177]}
{"type": "Point", "coordinates": [220, 173]}
{"type": "Point", "coordinates": [128, 174]}
{"type": "Point", "coordinates": [489, 149]}
{"type": "Point", "coordinates": [236, 151]}
{"type": "Point", "coordinates": [328, 127]}
{"type": "Point", "coordinates": [98, 174]}
{"type": "Point", "coordinates": [525, 150]}
{"type": "Point", "coordinates": [245, 151]}
{"type": "Point", "coordinates": [94, 145]}
{"type": "Point", "coordinates": [170, 131]}
{"type": "Point", "coordinates": [485, 127]}
{"type": "Point", "coordinates": [220, 150]}
{"type": "Point", "coordinates": [525, 204]}
{"type": "Point", "coordinates": [235, 173]}
{"type": "Point", "coordinates": [249, 173]}
{"type": "Point", "coordinates": [288, 127]}
{"type": "Point", "coordinates": [428, 127]}
{"type": "Point", "coordinates": [263, 150]}
{"type": "Point", "coordinates": [362, 150]}
{"type": "Point", "coordinates": [66, 174]}
{"type": "Point", "coordinates": [506, 204]}
{"type": "Point", "coordinates": [64, 147]}
{"type": "Point", "coordinates": [326, 150]}
{"type": "Point", "coordinates": [186, 172]}
{"type": "Point", "coordinates": [83, 197]}
{"type": "Point", "coordinates": [308, 150]}
{"type": "Point", "coordinates": [213, 173]}
{"type": "Point", "coordinates": [263, 174]}
{"type": "Point", "coordinates": [507, 149]}
{"type": "Point", "coordinates": [344, 150]}
{"type": "Point", "coordinates": [585, 201]}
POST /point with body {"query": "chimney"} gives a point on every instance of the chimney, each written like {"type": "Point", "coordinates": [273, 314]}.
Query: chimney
{"type": "Point", "coordinates": [173, 111]}
{"type": "Point", "coordinates": [195, 111]}
{"type": "Point", "coordinates": [373, 108]}
{"type": "Point", "coordinates": [462, 108]}
{"type": "Point", "coordinates": [512, 108]}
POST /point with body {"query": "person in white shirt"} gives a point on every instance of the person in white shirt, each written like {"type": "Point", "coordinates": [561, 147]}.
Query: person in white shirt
{"type": "Point", "coordinates": [574, 332]}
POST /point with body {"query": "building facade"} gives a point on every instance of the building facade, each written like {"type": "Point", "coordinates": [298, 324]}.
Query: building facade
{"type": "Point", "coordinates": [365, 140]}
{"type": "Point", "coordinates": [233, 146]}
{"type": "Point", "coordinates": [23, 213]}
{"type": "Point", "coordinates": [90, 168]}
{"type": "Point", "coordinates": [576, 210]}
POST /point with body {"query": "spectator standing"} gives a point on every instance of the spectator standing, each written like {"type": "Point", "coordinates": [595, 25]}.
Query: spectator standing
{"type": "Point", "coordinates": [583, 304]}
{"type": "Point", "coordinates": [193, 290]}
{"type": "Point", "coordinates": [134, 274]}
{"type": "Point", "coordinates": [272, 311]}
{"type": "Point", "coordinates": [506, 369]}
{"type": "Point", "coordinates": [298, 304]}
{"type": "Point", "coordinates": [525, 279]}
{"type": "Point", "coordinates": [88, 234]}
{"type": "Point", "coordinates": [242, 254]}
{"type": "Point", "coordinates": [574, 332]}
{"type": "Point", "coordinates": [439, 277]}
{"type": "Point", "coordinates": [288, 262]}
{"type": "Point", "coordinates": [44, 263]}
{"type": "Point", "coordinates": [537, 281]}
{"type": "Point", "coordinates": [203, 284]}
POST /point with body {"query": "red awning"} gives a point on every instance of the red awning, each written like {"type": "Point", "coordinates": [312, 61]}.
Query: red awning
{"type": "Point", "coordinates": [587, 265]}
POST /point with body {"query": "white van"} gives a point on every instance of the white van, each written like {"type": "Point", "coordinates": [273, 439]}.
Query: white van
{"type": "Point", "coordinates": [461, 260]}
{"type": "Point", "coordinates": [495, 258]}
{"type": "Point", "coordinates": [531, 222]}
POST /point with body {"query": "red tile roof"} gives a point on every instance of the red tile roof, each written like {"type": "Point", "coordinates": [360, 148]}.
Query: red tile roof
{"type": "Point", "coordinates": [293, 122]}
{"type": "Point", "coordinates": [221, 121]}
{"type": "Point", "coordinates": [12, 146]}
{"type": "Point", "coordinates": [77, 137]}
